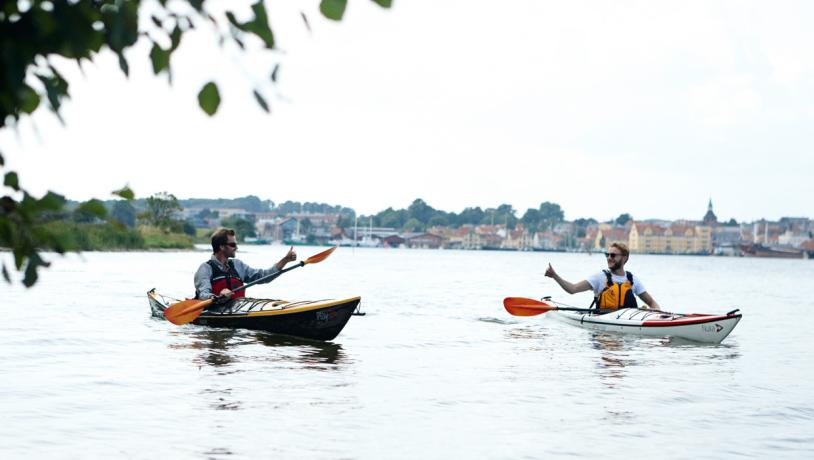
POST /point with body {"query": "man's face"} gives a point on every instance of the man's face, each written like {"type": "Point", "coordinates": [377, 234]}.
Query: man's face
{"type": "Point", "coordinates": [230, 248]}
{"type": "Point", "coordinates": [615, 259]}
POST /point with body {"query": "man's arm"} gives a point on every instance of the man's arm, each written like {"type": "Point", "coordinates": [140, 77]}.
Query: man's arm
{"type": "Point", "coordinates": [203, 283]}
{"type": "Point", "coordinates": [249, 274]}
{"type": "Point", "coordinates": [650, 301]}
{"type": "Point", "coordinates": [569, 287]}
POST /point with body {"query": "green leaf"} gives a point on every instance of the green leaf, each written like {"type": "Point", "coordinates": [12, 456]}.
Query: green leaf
{"type": "Point", "coordinates": [238, 41]}
{"type": "Point", "coordinates": [30, 100]}
{"type": "Point", "coordinates": [160, 58]}
{"type": "Point", "coordinates": [333, 9]}
{"type": "Point", "coordinates": [233, 20]}
{"type": "Point", "coordinates": [93, 208]}
{"type": "Point", "coordinates": [121, 24]}
{"type": "Point", "coordinates": [51, 202]}
{"type": "Point", "coordinates": [125, 193]}
{"type": "Point", "coordinates": [262, 101]}
{"type": "Point", "coordinates": [175, 37]}
{"type": "Point", "coordinates": [34, 262]}
{"type": "Point", "coordinates": [12, 181]}
{"type": "Point", "coordinates": [274, 73]}
{"type": "Point", "coordinates": [260, 25]}
{"type": "Point", "coordinates": [123, 64]}
{"type": "Point", "coordinates": [384, 3]}
{"type": "Point", "coordinates": [209, 98]}
{"type": "Point", "coordinates": [56, 88]}
{"type": "Point", "coordinates": [2, 161]}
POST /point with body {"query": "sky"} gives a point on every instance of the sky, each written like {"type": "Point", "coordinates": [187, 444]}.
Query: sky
{"type": "Point", "coordinates": [604, 107]}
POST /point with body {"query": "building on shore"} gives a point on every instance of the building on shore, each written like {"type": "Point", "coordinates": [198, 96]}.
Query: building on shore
{"type": "Point", "coordinates": [678, 238]}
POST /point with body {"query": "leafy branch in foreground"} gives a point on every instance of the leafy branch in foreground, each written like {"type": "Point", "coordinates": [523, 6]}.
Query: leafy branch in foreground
{"type": "Point", "coordinates": [25, 229]}
{"type": "Point", "coordinates": [34, 34]}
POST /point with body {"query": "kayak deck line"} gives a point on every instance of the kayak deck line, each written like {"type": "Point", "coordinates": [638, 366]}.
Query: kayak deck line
{"type": "Point", "coordinates": [289, 308]}
{"type": "Point", "coordinates": [711, 319]}
{"type": "Point", "coordinates": [666, 319]}
{"type": "Point", "coordinates": [679, 322]}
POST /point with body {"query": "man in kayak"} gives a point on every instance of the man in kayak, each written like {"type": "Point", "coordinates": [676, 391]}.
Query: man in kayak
{"type": "Point", "coordinates": [222, 273]}
{"type": "Point", "coordinates": [613, 288]}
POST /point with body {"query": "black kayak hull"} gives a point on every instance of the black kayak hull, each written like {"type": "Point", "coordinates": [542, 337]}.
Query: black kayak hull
{"type": "Point", "coordinates": [316, 320]}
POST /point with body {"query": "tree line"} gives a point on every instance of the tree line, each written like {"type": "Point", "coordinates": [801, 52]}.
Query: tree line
{"type": "Point", "coordinates": [420, 216]}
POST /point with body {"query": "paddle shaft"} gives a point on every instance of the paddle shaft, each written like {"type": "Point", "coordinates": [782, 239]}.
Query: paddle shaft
{"type": "Point", "coordinates": [583, 310]}
{"type": "Point", "coordinates": [268, 277]}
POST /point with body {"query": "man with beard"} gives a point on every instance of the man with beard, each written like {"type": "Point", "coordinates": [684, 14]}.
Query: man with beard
{"type": "Point", "coordinates": [613, 288]}
{"type": "Point", "coordinates": [222, 273]}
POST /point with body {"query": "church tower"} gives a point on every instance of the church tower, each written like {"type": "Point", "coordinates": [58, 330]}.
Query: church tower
{"type": "Point", "coordinates": [710, 218]}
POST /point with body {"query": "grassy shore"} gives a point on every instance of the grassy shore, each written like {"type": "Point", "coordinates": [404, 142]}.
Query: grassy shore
{"type": "Point", "coordinates": [155, 238]}
{"type": "Point", "coordinates": [111, 237]}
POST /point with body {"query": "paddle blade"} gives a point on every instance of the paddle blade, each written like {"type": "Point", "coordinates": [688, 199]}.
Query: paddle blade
{"type": "Point", "coordinates": [185, 311]}
{"type": "Point", "coordinates": [316, 258]}
{"type": "Point", "coordinates": [522, 306]}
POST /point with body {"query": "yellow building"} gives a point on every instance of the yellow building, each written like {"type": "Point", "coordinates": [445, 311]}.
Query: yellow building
{"type": "Point", "coordinates": [675, 239]}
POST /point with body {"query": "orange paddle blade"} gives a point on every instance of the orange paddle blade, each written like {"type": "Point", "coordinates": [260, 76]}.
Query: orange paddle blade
{"type": "Point", "coordinates": [522, 306]}
{"type": "Point", "coordinates": [319, 257]}
{"type": "Point", "coordinates": [185, 311]}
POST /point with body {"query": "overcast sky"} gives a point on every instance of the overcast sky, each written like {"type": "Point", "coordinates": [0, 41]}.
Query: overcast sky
{"type": "Point", "coordinates": [605, 107]}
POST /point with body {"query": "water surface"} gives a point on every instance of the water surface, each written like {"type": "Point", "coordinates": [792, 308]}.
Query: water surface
{"type": "Point", "coordinates": [436, 369]}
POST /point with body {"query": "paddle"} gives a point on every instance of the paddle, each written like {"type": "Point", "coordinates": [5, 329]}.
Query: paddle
{"type": "Point", "coordinates": [186, 311]}
{"type": "Point", "coordinates": [521, 306]}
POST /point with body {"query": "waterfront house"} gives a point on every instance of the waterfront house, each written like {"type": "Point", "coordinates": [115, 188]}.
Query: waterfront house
{"type": "Point", "coordinates": [425, 241]}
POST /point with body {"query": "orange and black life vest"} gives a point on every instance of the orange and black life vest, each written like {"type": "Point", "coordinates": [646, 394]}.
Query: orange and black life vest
{"type": "Point", "coordinates": [228, 279]}
{"type": "Point", "coordinates": [616, 295]}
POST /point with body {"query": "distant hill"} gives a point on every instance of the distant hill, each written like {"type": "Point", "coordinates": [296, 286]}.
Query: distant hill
{"type": "Point", "coordinates": [250, 203]}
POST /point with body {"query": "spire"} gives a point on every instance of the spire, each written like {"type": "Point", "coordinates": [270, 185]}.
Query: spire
{"type": "Point", "coordinates": [710, 218]}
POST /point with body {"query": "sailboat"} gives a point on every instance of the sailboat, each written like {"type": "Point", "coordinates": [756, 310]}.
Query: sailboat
{"type": "Point", "coordinates": [367, 240]}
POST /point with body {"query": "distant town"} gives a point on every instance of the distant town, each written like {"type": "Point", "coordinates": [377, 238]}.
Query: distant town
{"type": "Point", "coordinates": [542, 229]}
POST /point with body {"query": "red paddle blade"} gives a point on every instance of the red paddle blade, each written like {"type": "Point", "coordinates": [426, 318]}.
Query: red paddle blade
{"type": "Point", "coordinates": [522, 306]}
{"type": "Point", "coordinates": [319, 257]}
{"type": "Point", "coordinates": [185, 311]}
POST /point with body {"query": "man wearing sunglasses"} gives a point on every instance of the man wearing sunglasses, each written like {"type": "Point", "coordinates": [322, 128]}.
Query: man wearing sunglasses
{"type": "Point", "coordinates": [222, 273]}
{"type": "Point", "coordinates": [613, 288]}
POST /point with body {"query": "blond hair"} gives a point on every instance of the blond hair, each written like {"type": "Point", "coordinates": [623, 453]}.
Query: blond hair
{"type": "Point", "coordinates": [622, 247]}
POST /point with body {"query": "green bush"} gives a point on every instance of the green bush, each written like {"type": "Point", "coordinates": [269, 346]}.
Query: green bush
{"type": "Point", "coordinates": [155, 238]}
{"type": "Point", "coordinates": [95, 237]}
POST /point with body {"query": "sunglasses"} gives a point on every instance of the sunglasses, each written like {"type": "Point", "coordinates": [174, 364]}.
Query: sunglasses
{"type": "Point", "coordinates": [611, 255]}
{"type": "Point", "coordinates": [231, 245]}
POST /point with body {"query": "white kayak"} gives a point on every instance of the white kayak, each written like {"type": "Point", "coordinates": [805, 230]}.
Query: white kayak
{"type": "Point", "coordinates": [696, 327]}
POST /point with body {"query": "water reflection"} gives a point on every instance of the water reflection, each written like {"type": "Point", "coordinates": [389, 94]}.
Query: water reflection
{"type": "Point", "coordinates": [220, 401]}
{"type": "Point", "coordinates": [526, 333]}
{"type": "Point", "coordinates": [217, 453]}
{"type": "Point", "coordinates": [612, 358]}
{"type": "Point", "coordinates": [313, 354]}
{"type": "Point", "coordinates": [224, 347]}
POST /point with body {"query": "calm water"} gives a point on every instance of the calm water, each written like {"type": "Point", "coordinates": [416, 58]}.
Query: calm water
{"type": "Point", "coordinates": [437, 368]}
